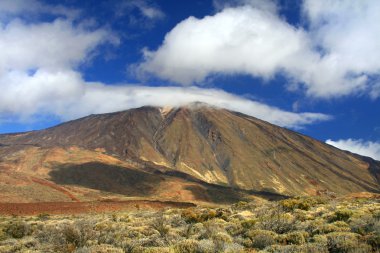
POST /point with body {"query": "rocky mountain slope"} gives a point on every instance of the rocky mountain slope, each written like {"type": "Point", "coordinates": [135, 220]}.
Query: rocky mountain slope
{"type": "Point", "coordinates": [195, 144]}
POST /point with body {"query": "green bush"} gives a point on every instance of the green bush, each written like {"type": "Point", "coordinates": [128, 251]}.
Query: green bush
{"type": "Point", "coordinates": [248, 224]}
{"type": "Point", "coordinates": [78, 233]}
{"type": "Point", "coordinates": [325, 228]}
{"type": "Point", "coordinates": [17, 229]}
{"type": "Point", "coordinates": [194, 215]}
{"type": "Point", "coordinates": [221, 240]}
{"type": "Point", "coordinates": [373, 240]}
{"type": "Point", "coordinates": [261, 238]}
{"type": "Point", "coordinates": [186, 246]}
{"type": "Point", "coordinates": [277, 222]}
{"type": "Point", "coordinates": [43, 216]}
{"type": "Point", "coordinates": [303, 203]}
{"type": "Point", "coordinates": [309, 248]}
{"type": "Point", "coordinates": [364, 224]}
{"type": "Point", "coordinates": [341, 215]}
{"type": "Point", "coordinates": [159, 225]}
{"type": "Point", "coordinates": [296, 237]}
{"type": "Point", "coordinates": [342, 242]}
{"type": "Point", "coordinates": [3, 235]}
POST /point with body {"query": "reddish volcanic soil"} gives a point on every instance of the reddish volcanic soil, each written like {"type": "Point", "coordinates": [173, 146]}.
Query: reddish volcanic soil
{"type": "Point", "coordinates": [86, 207]}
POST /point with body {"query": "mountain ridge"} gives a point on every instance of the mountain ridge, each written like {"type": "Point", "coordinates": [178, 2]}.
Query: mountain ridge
{"type": "Point", "coordinates": [216, 146]}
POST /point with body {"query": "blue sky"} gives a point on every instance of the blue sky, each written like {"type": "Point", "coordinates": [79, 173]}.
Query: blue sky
{"type": "Point", "coordinates": [311, 66]}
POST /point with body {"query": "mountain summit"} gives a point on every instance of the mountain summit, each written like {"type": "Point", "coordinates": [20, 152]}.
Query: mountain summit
{"type": "Point", "coordinates": [197, 143]}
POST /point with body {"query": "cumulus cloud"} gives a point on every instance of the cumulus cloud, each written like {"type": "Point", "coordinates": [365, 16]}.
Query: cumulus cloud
{"type": "Point", "coordinates": [54, 46]}
{"type": "Point", "coordinates": [361, 147]}
{"type": "Point", "coordinates": [334, 56]}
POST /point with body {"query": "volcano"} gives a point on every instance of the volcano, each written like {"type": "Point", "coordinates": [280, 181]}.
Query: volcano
{"type": "Point", "coordinates": [190, 153]}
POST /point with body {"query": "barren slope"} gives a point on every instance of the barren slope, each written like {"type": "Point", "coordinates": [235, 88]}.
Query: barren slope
{"type": "Point", "coordinates": [214, 145]}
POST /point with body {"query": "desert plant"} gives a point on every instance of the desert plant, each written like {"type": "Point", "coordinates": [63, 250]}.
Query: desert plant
{"type": "Point", "coordinates": [78, 233]}
{"type": "Point", "coordinates": [221, 240]}
{"type": "Point", "coordinates": [303, 203]}
{"type": "Point", "coordinates": [43, 216]}
{"type": "Point", "coordinates": [248, 224]}
{"type": "Point", "coordinates": [296, 237]}
{"type": "Point", "coordinates": [341, 215]}
{"type": "Point", "coordinates": [261, 238]}
{"type": "Point", "coordinates": [277, 222]}
{"type": "Point", "coordinates": [17, 229]}
{"type": "Point", "coordinates": [186, 246]}
{"type": "Point", "coordinates": [342, 242]}
{"type": "Point", "coordinates": [159, 224]}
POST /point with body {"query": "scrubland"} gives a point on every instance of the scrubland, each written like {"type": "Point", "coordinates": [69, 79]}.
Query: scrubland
{"type": "Point", "coordinates": [305, 224]}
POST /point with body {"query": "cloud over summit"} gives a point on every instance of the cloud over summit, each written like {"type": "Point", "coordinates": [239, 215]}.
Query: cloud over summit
{"type": "Point", "coordinates": [40, 62]}
{"type": "Point", "coordinates": [335, 54]}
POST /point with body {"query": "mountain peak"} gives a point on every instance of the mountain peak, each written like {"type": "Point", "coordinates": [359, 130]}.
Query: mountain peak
{"type": "Point", "coordinates": [215, 146]}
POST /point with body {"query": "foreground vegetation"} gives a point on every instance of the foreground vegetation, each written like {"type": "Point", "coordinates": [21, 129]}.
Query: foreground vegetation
{"type": "Point", "coordinates": [292, 225]}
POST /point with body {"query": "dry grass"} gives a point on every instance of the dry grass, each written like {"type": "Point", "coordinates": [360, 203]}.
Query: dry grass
{"type": "Point", "coordinates": [294, 225]}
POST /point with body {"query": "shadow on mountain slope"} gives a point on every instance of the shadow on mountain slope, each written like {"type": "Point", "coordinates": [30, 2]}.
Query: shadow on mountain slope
{"type": "Point", "coordinates": [108, 178]}
{"type": "Point", "coordinates": [131, 182]}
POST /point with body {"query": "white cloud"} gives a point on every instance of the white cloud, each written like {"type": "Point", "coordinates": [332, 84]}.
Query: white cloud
{"type": "Point", "coordinates": [264, 5]}
{"type": "Point", "coordinates": [375, 91]}
{"type": "Point", "coordinates": [54, 46]}
{"type": "Point", "coordinates": [38, 76]}
{"type": "Point", "coordinates": [365, 148]}
{"type": "Point", "coordinates": [146, 8]}
{"type": "Point", "coordinates": [22, 7]}
{"type": "Point", "coordinates": [66, 95]}
{"type": "Point", "coordinates": [334, 57]}
{"type": "Point", "coordinates": [236, 40]}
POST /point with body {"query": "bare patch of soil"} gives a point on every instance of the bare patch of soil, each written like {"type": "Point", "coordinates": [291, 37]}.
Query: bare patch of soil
{"type": "Point", "coordinates": [87, 207]}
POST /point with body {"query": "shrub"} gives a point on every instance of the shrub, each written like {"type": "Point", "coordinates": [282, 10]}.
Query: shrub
{"type": "Point", "coordinates": [248, 224]}
{"type": "Point", "coordinates": [220, 240]}
{"type": "Point", "coordinates": [277, 222]}
{"type": "Point", "coordinates": [309, 248]}
{"type": "Point", "coordinates": [233, 248]}
{"type": "Point", "coordinates": [206, 246]}
{"type": "Point", "coordinates": [211, 228]}
{"type": "Point", "coordinates": [102, 248]}
{"type": "Point", "coordinates": [341, 215]}
{"type": "Point", "coordinates": [43, 216]}
{"type": "Point", "coordinates": [159, 225]}
{"type": "Point", "coordinates": [261, 238]}
{"type": "Point", "coordinates": [17, 229]}
{"type": "Point", "coordinates": [241, 205]}
{"type": "Point", "coordinates": [363, 224]}
{"type": "Point", "coordinates": [303, 203]}
{"type": "Point", "coordinates": [186, 246]}
{"type": "Point", "coordinates": [191, 216]}
{"type": "Point", "coordinates": [235, 228]}
{"type": "Point", "coordinates": [195, 216]}
{"type": "Point", "coordinates": [78, 233]}
{"type": "Point", "coordinates": [157, 250]}
{"type": "Point", "coordinates": [341, 242]}
{"type": "Point", "coordinates": [325, 228]}
{"type": "Point", "coordinates": [296, 237]}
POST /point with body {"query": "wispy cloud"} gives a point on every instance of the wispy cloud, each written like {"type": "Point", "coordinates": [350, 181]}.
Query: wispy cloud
{"type": "Point", "coordinates": [11, 8]}
{"type": "Point", "coordinates": [361, 147]}
{"type": "Point", "coordinates": [335, 55]}
{"type": "Point", "coordinates": [143, 13]}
